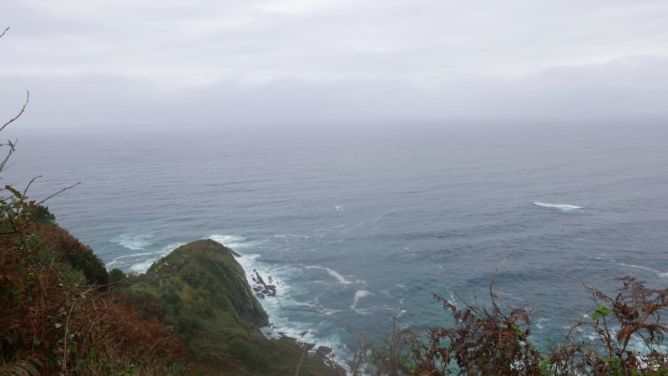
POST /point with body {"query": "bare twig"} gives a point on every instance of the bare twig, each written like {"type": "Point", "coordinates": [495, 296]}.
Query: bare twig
{"type": "Point", "coordinates": [491, 283]}
{"type": "Point", "coordinates": [25, 191]}
{"type": "Point", "coordinates": [57, 193]}
{"type": "Point", "coordinates": [12, 149]}
{"type": "Point", "coordinates": [20, 112]}
{"type": "Point", "coordinates": [4, 32]}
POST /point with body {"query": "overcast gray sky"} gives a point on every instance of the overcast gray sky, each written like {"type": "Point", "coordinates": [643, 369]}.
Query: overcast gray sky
{"type": "Point", "coordinates": [97, 63]}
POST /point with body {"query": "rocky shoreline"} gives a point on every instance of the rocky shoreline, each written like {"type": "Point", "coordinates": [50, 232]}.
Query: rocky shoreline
{"type": "Point", "coordinates": [266, 289]}
{"type": "Point", "coordinates": [261, 288]}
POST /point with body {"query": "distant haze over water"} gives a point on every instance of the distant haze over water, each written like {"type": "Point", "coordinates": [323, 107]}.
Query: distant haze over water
{"type": "Point", "coordinates": [357, 224]}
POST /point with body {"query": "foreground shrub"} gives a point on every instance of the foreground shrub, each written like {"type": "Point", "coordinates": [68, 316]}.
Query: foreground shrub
{"type": "Point", "coordinates": [56, 313]}
{"type": "Point", "coordinates": [491, 341]}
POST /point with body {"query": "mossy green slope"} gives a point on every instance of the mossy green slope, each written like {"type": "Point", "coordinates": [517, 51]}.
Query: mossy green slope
{"type": "Point", "coordinates": [203, 291]}
{"type": "Point", "coordinates": [203, 280]}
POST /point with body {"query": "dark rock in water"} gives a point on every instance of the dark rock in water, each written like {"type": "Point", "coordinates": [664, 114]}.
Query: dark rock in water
{"type": "Point", "coordinates": [323, 351]}
{"type": "Point", "coordinates": [261, 288]}
{"type": "Point", "coordinates": [270, 290]}
{"type": "Point", "coordinates": [233, 252]}
{"type": "Point", "coordinates": [303, 333]}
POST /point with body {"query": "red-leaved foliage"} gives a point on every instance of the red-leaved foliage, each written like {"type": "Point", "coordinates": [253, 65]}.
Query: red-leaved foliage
{"type": "Point", "coordinates": [53, 321]}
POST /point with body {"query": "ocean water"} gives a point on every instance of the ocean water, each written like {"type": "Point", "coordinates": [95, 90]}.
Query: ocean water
{"type": "Point", "coordinates": [360, 224]}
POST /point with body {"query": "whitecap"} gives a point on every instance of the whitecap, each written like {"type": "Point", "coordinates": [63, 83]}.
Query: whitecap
{"type": "Point", "coordinates": [539, 323]}
{"type": "Point", "coordinates": [359, 294]}
{"type": "Point", "coordinates": [292, 236]}
{"type": "Point", "coordinates": [646, 268]}
{"type": "Point", "coordinates": [333, 273]}
{"type": "Point", "coordinates": [328, 311]}
{"type": "Point", "coordinates": [119, 259]}
{"type": "Point", "coordinates": [339, 208]}
{"type": "Point", "coordinates": [230, 241]}
{"type": "Point", "coordinates": [562, 207]}
{"type": "Point", "coordinates": [143, 266]}
{"type": "Point", "coordinates": [133, 242]}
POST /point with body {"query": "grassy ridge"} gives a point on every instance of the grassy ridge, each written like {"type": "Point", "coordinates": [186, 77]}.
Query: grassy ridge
{"type": "Point", "coordinates": [204, 293]}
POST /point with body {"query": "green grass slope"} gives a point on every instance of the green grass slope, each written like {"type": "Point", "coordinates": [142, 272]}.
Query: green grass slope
{"type": "Point", "coordinates": [202, 290]}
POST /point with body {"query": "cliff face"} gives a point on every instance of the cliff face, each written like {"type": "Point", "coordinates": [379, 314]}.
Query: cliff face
{"type": "Point", "coordinates": [202, 291]}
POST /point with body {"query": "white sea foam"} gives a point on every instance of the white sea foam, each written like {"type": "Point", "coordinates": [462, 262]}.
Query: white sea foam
{"type": "Point", "coordinates": [133, 242]}
{"type": "Point", "coordinates": [359, 294]}
{"type": "Point", "coordinates": [336, 275]}
{"type": "Point", "coordinates": [562, 207]}
{"type": "Point", "coordinates": [328, 311]}
{"type": "Point", "coordinates": [339, 208]}
{"type": "Point", "coordinates": [230, 241]}
{"type": "Point", "coordinates": [540, 322]}
{"type": "Point", "coordinates": [646, 268]}
{"type": "Point", "coordinates": [143, 266]}
{"type": "Point", "coordinates": [636, 344]}
{"type": "Point", "coordinates": [292, 236]}
{"type": "Point", "coordinates": [119, 259]}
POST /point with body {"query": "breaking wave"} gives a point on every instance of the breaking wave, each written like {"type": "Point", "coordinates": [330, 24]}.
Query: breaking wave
{"type": "Point", "coordinates": [646, 268]}
{"type": "Point", "coordinates": [333, 273]}
{"type": "Point", "coordinates": [359, 294]}
{"type": "Point", "coordinates": [562, 207]}
{"type": "Point", "coordinates": [143, 266]}
{"type": "Point", "coordinates": [231, 241]}
{"type": "Point", "coordinates": [133, 242]}
{"type": "Point", "coordinates": [139, 262]}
